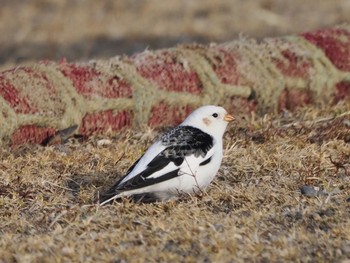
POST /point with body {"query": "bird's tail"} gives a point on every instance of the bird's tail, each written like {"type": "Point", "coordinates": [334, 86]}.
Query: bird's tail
{"type": "Point", "coordinates": [109, 196]}
{"type": "Point", "coordinates": [104, 200]}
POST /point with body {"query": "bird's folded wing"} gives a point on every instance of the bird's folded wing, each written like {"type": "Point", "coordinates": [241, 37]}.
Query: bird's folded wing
{"type": "Point", "coordinates": [164, 159]}
{"type": "Point", "coordinates": [155, 172]}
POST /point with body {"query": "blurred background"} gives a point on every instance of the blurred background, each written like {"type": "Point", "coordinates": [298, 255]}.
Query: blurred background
{"type": "Point", "coordinates": [80, 30]}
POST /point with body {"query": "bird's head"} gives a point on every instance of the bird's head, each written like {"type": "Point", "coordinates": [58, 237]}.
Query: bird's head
{"type": "Point", "coordinates": [210, 119]}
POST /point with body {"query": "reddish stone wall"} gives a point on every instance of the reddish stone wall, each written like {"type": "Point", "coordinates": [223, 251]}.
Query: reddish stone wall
{"type": "Point", "coordinates": [161, 87]}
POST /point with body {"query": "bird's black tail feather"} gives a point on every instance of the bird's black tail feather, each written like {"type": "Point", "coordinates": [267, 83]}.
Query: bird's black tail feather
{"type": "Point", "coordinates": [137, 198]}
{"type": "Point", "coordinates": [111, 192]}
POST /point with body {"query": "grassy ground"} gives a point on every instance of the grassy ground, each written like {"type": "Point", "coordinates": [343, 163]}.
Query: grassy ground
{"type": "Point", "coordinates": [254, 211]}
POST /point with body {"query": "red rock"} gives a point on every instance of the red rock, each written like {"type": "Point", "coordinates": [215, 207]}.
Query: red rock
{"type": "Point", "coordinates": [31, 134]}
{"type": "Point", "coordinates": [103, 121]}
{"type": "Point", "coordinates": [90, 83]}
{"type": "Point", "coordinates": [167, 73]}
{"type": "Point", "coordinates": [165, 115]}
{"type": "Point", "coordinates": [335, 42]}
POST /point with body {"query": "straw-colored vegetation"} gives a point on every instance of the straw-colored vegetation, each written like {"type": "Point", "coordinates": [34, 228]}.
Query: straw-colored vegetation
{"type": "Point", "coordinates": [254, 210]}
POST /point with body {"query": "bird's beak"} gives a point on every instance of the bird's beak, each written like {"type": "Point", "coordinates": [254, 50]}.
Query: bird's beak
{"type": "Point", "coordinates": [229, 118]}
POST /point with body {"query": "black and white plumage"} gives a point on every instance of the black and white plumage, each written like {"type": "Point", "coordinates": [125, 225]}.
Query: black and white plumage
{"type": "Point", "coordinates": [184, 160]}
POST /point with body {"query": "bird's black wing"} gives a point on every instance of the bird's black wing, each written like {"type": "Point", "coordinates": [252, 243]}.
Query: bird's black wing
{"type": "Point", "coordinates": [180, 142]}
{"type": "Point", "coordinates": [112, 191]}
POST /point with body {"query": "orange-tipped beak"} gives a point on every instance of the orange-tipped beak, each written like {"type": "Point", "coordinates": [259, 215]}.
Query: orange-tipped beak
{"type": "Point", "coordinates": [229, 118]}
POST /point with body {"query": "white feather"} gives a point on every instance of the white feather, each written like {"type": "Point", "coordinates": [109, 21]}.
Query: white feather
{"type": "Point", "coordinates": [192, 176]}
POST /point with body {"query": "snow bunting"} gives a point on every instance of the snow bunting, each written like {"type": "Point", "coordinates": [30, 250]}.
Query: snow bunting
{"type": "Point", "coordinates": [184, 160]}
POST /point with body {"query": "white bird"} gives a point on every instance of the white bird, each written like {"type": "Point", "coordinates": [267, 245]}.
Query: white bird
{"type": "Point", "coordinates": [184, 160]}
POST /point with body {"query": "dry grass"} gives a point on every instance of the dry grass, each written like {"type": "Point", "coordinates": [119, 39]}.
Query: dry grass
{"type": "Point", "coordinates": [253, 211]}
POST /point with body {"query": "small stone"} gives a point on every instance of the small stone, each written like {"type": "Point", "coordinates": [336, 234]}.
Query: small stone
{"type": "Point", "coordinates": [103, 142]}
{"type": "Point", "coordinates": [309, 190]}
{"type": "Point", "coordinates": [67, 251]}
{"type": "Point", "coordinates": [348, 199]}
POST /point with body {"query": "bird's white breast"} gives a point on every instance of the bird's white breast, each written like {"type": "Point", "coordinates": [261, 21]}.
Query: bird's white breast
{"type": "Point", "coordinates": [197, 177]}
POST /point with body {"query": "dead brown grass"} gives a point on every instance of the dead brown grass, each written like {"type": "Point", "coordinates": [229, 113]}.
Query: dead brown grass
{"type": "Point", "coordinates": [253, 212]}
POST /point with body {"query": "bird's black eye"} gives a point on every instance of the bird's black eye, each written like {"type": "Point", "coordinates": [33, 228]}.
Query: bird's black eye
{"type": "Point", "coordinates": [215, 115]}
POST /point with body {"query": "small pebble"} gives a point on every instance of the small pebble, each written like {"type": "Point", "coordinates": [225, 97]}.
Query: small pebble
{"type": "Point", "coordinates": [309, 190]}
{"type": "Point", "coordinates": [103, 142]}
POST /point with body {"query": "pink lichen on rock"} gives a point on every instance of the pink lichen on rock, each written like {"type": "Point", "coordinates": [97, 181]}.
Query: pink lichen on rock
{"type": "Point", "coordinates": [165, 115]}
{"type": "Point", "coordinates": [90, 83]}
{"type": "Point", "coordinates": [167, 72]}
{"type": "Point", "coordinates": [105, 120]}
{"type": "Point", "coordinates": [335, 42]}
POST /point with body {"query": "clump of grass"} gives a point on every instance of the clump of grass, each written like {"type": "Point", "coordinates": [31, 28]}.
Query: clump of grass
{"type": "Point", "coordinates": [253, 211]}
